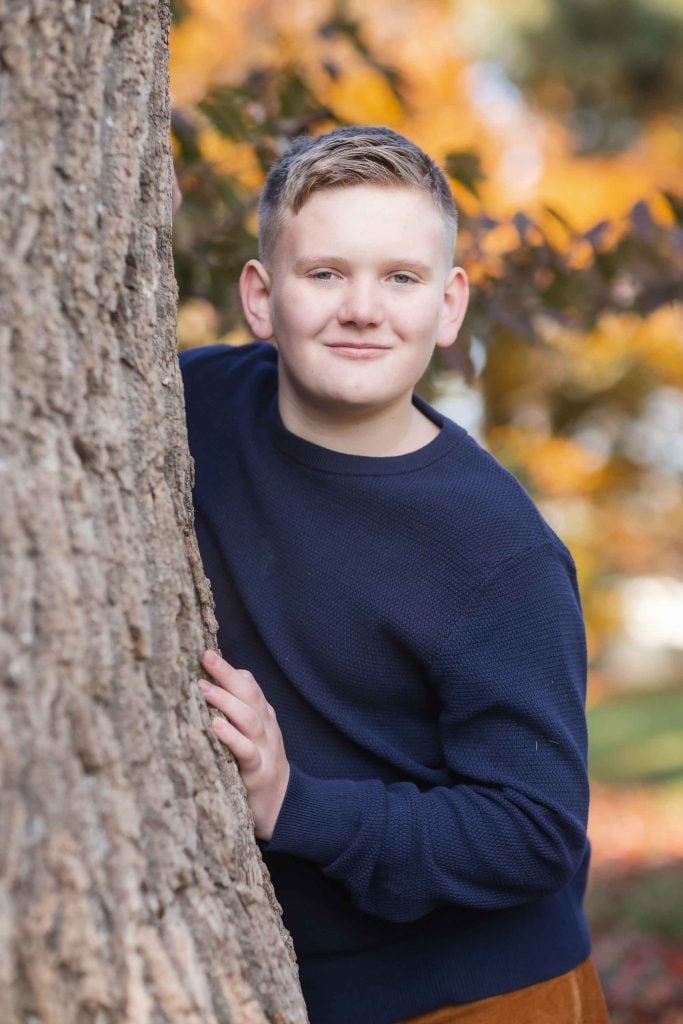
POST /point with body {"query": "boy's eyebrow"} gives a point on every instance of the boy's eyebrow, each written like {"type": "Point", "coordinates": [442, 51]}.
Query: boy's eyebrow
{"type": "Point", "coordinates": [305, 262]}
{"type": "Point", "coordinates": [417, 265]}
{"type": "Point", "coordinates": [311, 261]}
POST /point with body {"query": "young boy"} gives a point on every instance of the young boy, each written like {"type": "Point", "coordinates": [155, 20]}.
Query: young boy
{"type": "Point", "coordinates": [407, 711]}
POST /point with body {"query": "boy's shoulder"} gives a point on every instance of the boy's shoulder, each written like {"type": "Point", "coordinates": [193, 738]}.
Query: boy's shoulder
{"type": "Point", "coordinates": [484, 510]}
{"type": "Point", "coordinates": [219, 362]}
{"type": "Point", "coordinates": [226, 381]}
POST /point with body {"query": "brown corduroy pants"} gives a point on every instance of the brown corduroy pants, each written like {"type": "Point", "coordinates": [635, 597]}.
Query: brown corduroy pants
{"type": "Point", "coordinates": [572, 998]}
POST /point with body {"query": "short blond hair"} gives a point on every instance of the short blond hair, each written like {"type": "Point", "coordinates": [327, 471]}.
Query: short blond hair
{"type": "Point", "coordinates": [354, 155]}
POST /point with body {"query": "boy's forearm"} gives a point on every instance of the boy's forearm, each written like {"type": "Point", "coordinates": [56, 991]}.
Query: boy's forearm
{"type": "Point", "coordinates": [401, 852]}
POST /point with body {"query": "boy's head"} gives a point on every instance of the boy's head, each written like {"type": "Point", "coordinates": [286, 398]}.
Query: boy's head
{"type": "Point", "coordinates": [355, 155]}
{"type": "Point", "coordinates": [356, 284]}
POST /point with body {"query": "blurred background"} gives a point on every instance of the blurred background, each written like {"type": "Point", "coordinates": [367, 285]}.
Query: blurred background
{"type": "Point", "coordinates": [561, 127]}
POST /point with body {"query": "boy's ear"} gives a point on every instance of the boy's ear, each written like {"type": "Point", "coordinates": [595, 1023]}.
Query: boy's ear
{"type": "Point", "coordinates": [255, 295]}
{"type": "Point", "coordinates": [455, 299]}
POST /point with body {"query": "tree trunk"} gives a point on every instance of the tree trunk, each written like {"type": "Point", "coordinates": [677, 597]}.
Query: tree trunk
{"type": "Point", "coordinates": [132, 889]}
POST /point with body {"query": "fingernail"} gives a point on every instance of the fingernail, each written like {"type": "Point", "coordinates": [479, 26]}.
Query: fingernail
{"type": "Point", "coordinates": [204, 686]}
{"type": "Point", "coordinates": [210, 658]}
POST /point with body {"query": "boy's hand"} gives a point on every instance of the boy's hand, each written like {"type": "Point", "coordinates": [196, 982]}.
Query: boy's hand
{"type": "Point", "coordinates": [252, 735]}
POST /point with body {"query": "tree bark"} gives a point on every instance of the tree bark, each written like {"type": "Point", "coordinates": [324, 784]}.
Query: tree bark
{"type": "Point", "coordinates": [132, 888]}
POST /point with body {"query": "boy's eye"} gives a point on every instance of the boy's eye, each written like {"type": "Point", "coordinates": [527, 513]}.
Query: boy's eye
{"type": "Point", "coordinates": [322, 275]}
{"type": "Point", "coordinates": [402, 278]}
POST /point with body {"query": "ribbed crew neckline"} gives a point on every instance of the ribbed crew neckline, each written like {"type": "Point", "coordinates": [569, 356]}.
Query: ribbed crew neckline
{"type": "Point", "coordinates": [327, 460]}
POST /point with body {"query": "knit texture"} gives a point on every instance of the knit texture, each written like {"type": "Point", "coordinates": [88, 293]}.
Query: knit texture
{"type": "Point", "coordinates": [417, 627]}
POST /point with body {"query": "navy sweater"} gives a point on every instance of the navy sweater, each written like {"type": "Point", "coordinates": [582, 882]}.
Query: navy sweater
{"type": "Point", "coordinates": [417, 627]}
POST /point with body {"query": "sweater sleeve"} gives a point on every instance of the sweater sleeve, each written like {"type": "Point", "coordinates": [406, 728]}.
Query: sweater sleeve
{"type": "Point", "coordinates": [512, 826]}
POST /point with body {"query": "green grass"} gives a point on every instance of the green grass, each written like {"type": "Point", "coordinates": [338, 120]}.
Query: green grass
{"type": "Point", "coordinates": [638, 740]}
{"type": "Point", "coordinates": [647, 900]}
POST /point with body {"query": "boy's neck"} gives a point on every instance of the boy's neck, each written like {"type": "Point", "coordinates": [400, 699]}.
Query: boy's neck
{"type": "Point", "coordinates": [388, 432]}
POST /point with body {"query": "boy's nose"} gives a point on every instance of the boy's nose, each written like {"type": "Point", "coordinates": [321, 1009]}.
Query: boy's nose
{"type": "Point", "coordinates": [361, 306]}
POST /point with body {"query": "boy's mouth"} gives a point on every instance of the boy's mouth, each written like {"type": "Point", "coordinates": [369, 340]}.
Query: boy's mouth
{"type": "Point", "coordinates": [358, 349]}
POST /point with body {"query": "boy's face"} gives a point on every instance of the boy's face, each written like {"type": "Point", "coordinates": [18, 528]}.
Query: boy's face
{"type": "Point", "coordinates": [359, 292]}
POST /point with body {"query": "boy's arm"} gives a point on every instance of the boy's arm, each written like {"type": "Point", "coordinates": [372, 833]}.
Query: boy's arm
{"type": "Point", "coordinates": [512, 828]}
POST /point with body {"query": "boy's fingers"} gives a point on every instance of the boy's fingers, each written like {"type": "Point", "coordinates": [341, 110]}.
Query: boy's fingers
{"type": "Point", "coordinates": [249, 722]}
{"type": "Point", "coordinates": [217, 666]}
{"type": "Point", "coordinates": [246, 753]}
{"type": "Point", "coordinates": [238, 680]}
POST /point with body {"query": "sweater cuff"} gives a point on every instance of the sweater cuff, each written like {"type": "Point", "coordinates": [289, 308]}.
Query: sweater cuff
{"type": "Point", "coordinates": [319, 818]}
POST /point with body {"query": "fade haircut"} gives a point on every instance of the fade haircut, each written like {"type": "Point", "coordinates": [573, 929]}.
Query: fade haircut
{"type": "Point", "coordinates": [355, 155]}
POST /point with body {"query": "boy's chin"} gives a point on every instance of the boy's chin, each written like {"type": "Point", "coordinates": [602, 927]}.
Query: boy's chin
{"type": "Point", "coordinates": [359, 402]}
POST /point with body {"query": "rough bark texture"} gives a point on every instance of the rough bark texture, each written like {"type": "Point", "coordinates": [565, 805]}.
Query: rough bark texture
{"type": "Point", "coordinates": [132, 889]}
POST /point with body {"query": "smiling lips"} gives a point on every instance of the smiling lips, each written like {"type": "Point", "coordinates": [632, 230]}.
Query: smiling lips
{"type": "Point", "coordinates": [359, 350]}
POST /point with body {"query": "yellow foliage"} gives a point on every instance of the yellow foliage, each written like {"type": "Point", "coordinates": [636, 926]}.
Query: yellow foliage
{"type": "Point", "coordinates": [663, 142]}
{"type": "Point", "coordinates": [556, 465]}
{"type": "Point", "coordinates": [201, 46]}
{"type": "Point", "coordinates": [660, 340]}
{"type": "Point", "coordinates": [598, 359]}
{"type": "Point", "coordinates": [479, 271]}
{"type": "Point", "coordinates": [480, 19]}
{"type": "Point", "coordinates": [363, 95]}
{"type": "Point", "coordinates": [197, 323]}
{"type": "Point", "coordinates": [219, 41]}
{"type": "Point", "coordinates": [251, 222]}
{"type": "Point", "coordinates": [500, 240]}
{"type": "Point", "coordinates": [237, 336]}
{"type": "Point", "coordinates": [589, 189]}
{"type": "Point", "coordinates": [236, 159]}
{"type": "Point", "coordinates": [435, 46]}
